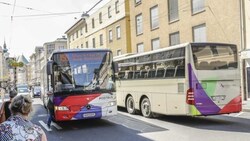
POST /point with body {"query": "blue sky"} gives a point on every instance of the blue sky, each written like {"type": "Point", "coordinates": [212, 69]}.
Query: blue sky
{"type": "Point", "coordinates": [24, 33]}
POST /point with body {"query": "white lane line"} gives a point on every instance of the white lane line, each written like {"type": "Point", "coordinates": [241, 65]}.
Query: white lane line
{"type": "Point", "coordinates": [43, 115]}
{"type": "Point", "coordinates": [239, 114]}
{"type": "Point", "coordinates": [56, 126]}
{"type": "Point", "coordinates": [45, 126]}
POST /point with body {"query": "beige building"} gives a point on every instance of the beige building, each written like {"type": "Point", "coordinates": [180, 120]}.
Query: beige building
{"type": "Point", "coordinates": [161, 23]}
{"type": "Point", "coordinates": [108, 27]}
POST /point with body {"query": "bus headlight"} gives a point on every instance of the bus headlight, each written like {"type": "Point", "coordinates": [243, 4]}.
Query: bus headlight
{"type": "Point", "coordinates": [61, 108]}
{"type": "Point", "coordinates": [112, 103]}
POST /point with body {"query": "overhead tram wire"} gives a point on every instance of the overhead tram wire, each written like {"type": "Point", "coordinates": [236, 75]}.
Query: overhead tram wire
{"type": "Point", "coordinates": [11, 24]}
{"type": "Point", "coordinates": [94, 6]}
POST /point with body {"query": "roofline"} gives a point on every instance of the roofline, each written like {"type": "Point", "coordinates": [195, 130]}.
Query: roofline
{"type": "Point", "coordinates": [73, 25]}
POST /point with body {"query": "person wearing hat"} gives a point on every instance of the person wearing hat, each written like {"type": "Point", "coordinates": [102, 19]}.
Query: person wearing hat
{"type": "Point", "coordinates": [5, 111]}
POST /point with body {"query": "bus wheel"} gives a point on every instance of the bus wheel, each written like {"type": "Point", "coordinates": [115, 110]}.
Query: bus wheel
{"type": "Point", "coordinates": [146, 108]}
{"type": "Point", "coordinates": [130, 105]}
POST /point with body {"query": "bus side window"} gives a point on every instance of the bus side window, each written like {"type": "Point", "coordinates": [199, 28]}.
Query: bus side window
{"type": "Point", "coordinates": [137, 74]}
{"type": "Point", "coordinates": [151, 73]}
{"type": "Point", "coordinates": [203, 65]}
{"type": "Point", "coordinates": [143, 74]}
{"type": "Point", "coordinates": [180, 71]}
{"type": "Point", "coordinates": [232, 64]}
{"type": "Point", "coordinates": [160, 73]}
{"type": "Point", "coordinates": [130, 74]}
{"type": "Point", "coordinates": [121, 75]}
{"type": "Point", "coordinates": [222, 65]}
{"type": "Point", "coordinates": [170, 72]}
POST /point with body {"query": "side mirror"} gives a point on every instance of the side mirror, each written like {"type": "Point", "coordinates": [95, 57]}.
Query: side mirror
{"type": "Point", "coordinates": [50, 67]}
{"type": "Point", "coordinates": [115, 67]}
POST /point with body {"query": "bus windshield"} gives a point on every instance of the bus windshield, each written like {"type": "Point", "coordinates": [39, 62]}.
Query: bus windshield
{"type": "Point", "coordinates": [214, 57]}
{"type": "Point", "coordinates": [83, 70]}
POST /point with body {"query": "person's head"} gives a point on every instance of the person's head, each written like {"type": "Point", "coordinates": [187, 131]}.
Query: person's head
{"type": "Point", "coordinates": [13, 93]}
{"type": "Point", "coordinates": [21, 104]}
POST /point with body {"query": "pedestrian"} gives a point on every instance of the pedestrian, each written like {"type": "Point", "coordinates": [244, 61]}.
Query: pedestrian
{"type": "Point", "coordinates": [18, 126]}
{"type": "Point", "coordinates": [5, 111]}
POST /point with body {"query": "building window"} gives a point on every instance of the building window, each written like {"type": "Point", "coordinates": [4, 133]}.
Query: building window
{"type": "Point", "coordinates": [198, 6]}
{"type": "Point", "coordinates": [100, 17]}
{"type": "Point", "coordinates": [81, 45]}
{"type": "Point", "coordinates": [155, 43]}
{"type": "Point", "coordinates": [81, 32]}
{"type": "Point", "coordinates": [117, 7]}
{"type": "Point", "coordinates": [101, 39]}
{"type": "Point", "coordinates": [174, 38]}
{"type": "Point", "coordinates": [137, 2]}
{"type": "Point", "coordinates": [87, 44]}
{"type": "Point", "coordinates": [140, 48]}
{"type": "Point", "coordinates": [118, 32]}
{"type": "Point", "coordinates": [199, 33]}
{"type": "Point", "coordinates": [110, 36]}
{"type": "Point", "coordinates": [76, 34]}
{"type": "Point", "coordinates": [119, 52]}
{"type": "Point", "coordinates": [154, 17]}
{"type": "Point", "coordinates": [173, 10]}
{"type": "Point", "coordinates": [93, 23]}
{"type": "Point", "coordinates": [139, 28]}
{"type": "Point", "coordinates": [109, 12]}
{"type": "Point", "coordinates": [86, 28]}
{"type": "Point", "coordinates": [93, 41]}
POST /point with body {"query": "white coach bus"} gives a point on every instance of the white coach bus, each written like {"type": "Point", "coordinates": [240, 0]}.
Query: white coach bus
{"type": "Point", "coordinates": [194, 79]}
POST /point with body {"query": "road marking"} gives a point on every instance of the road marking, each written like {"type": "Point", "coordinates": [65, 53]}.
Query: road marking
{"type": "Point", "coordinates": [52, 124]}
{"type": "Point", "coordinates": [43, 115]}
{"type": "Point", "coordinates": [45, 126]}
{"type": "Point", "coordinates": [56, 125]}
{"type": "Point", "coordinates": [239, 114]}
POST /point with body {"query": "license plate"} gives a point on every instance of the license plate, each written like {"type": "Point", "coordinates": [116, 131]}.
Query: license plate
{"type": "Point", "coordinates": [89, 115]}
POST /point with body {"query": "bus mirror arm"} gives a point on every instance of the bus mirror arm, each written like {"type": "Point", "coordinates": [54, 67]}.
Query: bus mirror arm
{"type": "Point", "coordinates": [49, 93]}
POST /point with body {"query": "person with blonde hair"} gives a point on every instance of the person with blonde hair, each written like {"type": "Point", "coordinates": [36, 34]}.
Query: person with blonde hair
{"type": "Point", "coordinates": [18, 126]}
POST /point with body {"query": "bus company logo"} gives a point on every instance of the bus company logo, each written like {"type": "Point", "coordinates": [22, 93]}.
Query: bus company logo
{"type": "Point", "coordinates": [87, 99]}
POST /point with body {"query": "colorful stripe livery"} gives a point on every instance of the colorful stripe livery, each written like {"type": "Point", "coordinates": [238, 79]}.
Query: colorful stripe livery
{"type": "Point", "coordinates": [77, 107]}
{"type": "Point", "coordinates": [207, 97]}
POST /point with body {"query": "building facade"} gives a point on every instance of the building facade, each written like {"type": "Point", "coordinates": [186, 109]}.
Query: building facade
{"type": "Point", "coordinates": [162, 23]}
{"type": "Point", "coordinates": [22, 71]}
{"type": "Point", "coordinates": [35, 65]}
{"type": "Point", "coordinates": [108, 27]}
{"type": "Point", "coordinates": [49, 47]}
{"type": "Point", "coordinates": [150, 25]}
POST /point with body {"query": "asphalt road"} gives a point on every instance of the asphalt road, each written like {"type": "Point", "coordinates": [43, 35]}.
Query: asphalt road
{"type": "Point", "coordinates": [126, 127]}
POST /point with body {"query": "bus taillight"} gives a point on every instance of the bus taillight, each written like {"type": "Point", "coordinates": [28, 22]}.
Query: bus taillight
{"type": "Point", "coordinates": [190, 96]}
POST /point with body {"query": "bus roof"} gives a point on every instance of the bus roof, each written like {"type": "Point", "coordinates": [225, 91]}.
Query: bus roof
{"type": "Point", "coordinates": [166, 48]}
{"type": "Point", "coordinates": [79, 50]}
{"type": "Point", "coordinates": [151, 52]}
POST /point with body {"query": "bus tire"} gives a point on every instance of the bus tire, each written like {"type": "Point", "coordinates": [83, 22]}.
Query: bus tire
{"type": "Point", "coordinates": [146, 108]}
{"type": "Point", "coordinates": [130, 105]}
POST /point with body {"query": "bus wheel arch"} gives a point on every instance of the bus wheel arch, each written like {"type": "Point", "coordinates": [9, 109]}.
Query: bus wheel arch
{"type": "Point", "coordinates": [145, 107]}
{"type": "Point", "coordinates": [130, 104]}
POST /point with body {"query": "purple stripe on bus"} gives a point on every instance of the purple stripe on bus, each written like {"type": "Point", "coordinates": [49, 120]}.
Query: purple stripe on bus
{"type": "Point", "coordinates": [207, 106]}
{"type": "Point", "coordinates": [58, 100]}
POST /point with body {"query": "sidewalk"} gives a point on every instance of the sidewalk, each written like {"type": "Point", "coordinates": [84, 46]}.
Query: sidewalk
{"type": "Point", "coordinates": [246, 106]}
